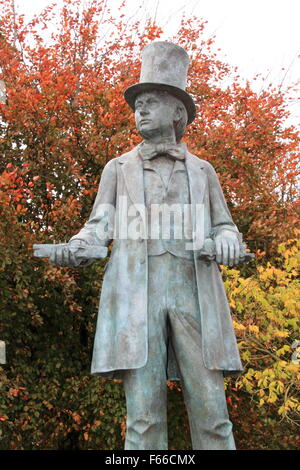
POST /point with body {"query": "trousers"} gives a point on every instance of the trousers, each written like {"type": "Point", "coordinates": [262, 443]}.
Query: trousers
{"type": "Point", "coordinates": [174, 316]}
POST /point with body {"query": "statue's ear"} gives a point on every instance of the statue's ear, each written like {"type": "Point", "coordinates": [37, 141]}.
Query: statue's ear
{"type": "Point", "coordinates": [177, 114]}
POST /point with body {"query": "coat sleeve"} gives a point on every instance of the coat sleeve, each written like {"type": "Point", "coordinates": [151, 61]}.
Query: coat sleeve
{"type": "Point", "coordinates": [99, 228]}
{"type": "Point", "coordinates": [220, 215]}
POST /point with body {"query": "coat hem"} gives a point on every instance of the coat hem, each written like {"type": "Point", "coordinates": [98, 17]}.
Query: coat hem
{"type": "Point", "coordinates": [118, 373]}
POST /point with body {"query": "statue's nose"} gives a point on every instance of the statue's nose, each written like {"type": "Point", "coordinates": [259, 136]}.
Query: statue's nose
{"type": "Point", "coordinates": [144, 111]}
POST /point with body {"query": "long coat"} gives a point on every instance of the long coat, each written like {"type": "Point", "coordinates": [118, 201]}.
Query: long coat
{"type": "Point", "coordinates": [121, 332]}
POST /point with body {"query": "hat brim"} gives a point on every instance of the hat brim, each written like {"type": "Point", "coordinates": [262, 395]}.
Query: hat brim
{"type": "Point", "coordinates": [133, 91]}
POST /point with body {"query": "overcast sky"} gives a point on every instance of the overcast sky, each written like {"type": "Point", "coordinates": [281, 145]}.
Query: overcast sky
{"type": "Point", "coordinates": [258, 36]}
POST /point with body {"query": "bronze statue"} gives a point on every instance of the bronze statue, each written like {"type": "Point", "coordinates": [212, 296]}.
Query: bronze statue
{"type": "Point", "coordinates": [163, 311]}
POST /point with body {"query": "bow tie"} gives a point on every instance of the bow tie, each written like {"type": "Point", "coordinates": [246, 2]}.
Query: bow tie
{"type": "Point", "coordinates": [175, 151]}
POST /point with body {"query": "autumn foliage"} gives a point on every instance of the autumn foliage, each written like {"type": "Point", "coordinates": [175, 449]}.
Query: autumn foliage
{"type": "Point", "coordinates": [64, 118]}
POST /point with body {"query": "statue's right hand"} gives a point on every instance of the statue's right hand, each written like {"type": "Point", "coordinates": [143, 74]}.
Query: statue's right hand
{"type": "Point", "coordinates": [64, 256]}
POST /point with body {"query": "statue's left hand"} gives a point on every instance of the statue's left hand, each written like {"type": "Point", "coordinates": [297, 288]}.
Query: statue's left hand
{"type": "Point", "coordinates": [227, 248]}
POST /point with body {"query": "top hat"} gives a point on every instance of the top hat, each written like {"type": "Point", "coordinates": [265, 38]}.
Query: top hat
{"type": "Point", "coordinates": [164, 67]}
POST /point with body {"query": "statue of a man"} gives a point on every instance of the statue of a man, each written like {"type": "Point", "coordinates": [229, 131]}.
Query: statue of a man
{"type": "Point", "coordinates": [163, 311]}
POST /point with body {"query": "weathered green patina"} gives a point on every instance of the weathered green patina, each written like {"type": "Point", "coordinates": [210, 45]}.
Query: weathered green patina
{"type": "Point", "coordinates": [163, 310]}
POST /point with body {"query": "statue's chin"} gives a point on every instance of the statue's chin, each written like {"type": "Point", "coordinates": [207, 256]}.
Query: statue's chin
{"type": "Point", "coordinates": [148, 134]}
{"type": "Point", "coordinates": [161, 134]}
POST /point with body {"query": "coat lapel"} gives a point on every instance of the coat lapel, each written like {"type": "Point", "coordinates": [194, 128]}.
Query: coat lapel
{"type": "Point", "coordinates": [197, 178]}
{"type": "Point", "coordinates": [197, 184]}
{"type": "Point", "coordinates": [132, 168]}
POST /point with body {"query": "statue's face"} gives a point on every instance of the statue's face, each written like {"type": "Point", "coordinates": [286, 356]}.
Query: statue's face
{"type": "Point", "coordinates": [155, 114]}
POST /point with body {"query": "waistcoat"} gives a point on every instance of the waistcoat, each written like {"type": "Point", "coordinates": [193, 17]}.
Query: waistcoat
{"type": "Point", "coordinates": [167, 200]}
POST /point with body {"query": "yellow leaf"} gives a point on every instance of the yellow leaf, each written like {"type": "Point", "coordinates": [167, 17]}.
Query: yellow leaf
{"type": "Point", "coordinates": [238, 326]}
{"type": "Point", "coordinates": [253, 328]}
